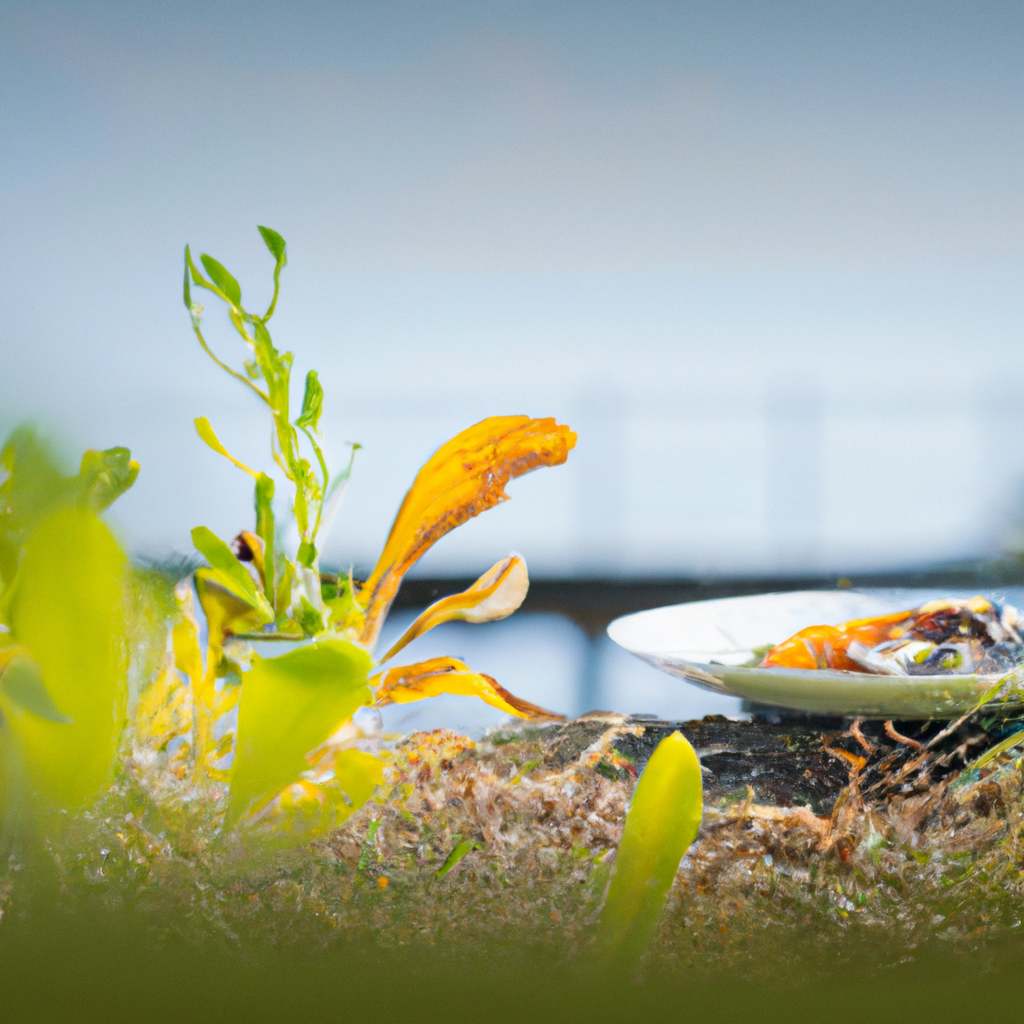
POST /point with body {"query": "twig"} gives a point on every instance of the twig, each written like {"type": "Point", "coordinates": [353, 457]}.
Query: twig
{"type": "Point", "coordinates": [953, 726]}
{"type": "Point", "coordinates": [854, 760]}
{"type": "Point", "coordinates": [860, 737]}
{"type": "Point", "coordinates": [267, 636]}
{"type": "Point", "coordinates": [891, 732]}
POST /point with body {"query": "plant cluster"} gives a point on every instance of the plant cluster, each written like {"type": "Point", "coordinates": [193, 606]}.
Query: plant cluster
{"type": "Point", "coordinates": [265, 739]}
{"type": "Point", "coordinates": [278, 731]}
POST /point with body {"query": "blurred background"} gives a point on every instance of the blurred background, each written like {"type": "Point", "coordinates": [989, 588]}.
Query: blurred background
{"type": "Point", "coordinates": [766, 259]}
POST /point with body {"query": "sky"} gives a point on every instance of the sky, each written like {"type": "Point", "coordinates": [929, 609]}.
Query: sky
{"type": "Point", "coordinates": [766, 258]}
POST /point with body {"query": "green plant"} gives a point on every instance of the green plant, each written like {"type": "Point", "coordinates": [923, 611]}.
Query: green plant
{"type": "Point", "coordinates": [662, 821]}
{"type": "Point", "coordinates": [294, 719]}
{"type": "Point", "coordinates": [63, 648]}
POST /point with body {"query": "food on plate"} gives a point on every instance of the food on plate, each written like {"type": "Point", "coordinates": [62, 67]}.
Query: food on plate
{"type": "Point", "coordinates": [947, 637]}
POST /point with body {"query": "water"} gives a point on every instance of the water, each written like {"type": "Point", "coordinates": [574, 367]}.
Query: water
{"type": "Point", "coordinates": [547, 660]}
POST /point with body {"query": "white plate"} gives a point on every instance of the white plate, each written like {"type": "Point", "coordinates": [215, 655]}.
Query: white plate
{"type": "Point", "coordinates": [708, 643]}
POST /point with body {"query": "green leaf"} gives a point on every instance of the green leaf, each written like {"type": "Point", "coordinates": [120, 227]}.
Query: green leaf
{"type": "Point", "coordinates": [225, 610]}
{"type": "Point", "coordinates": [187, 288]}
{"type": "Point", "coordinates": [191, 268]}
{"type": "Point", "coordinates": [22, 683]}
{"type": "Point", "coordinates": [67, 610]}
{"type": "Point", "coordinates": [231, 574]}
{"type": "Point", "coordinates": [663, 820]}
{"type": "Point", "coordinates": [275, 243]}
{"type": "Point", "coordinates": [105, 475]}
{"type": "Point", "coordinates": [265, 529]}
{"type": "Point", "coordinates": [207, 433]}
{"type": "Point", "coordinates": [457, 854]}
{"type": "Point", "coordinates": [290, 705]}
{"type": "Point", "coordinates": [35, 486]}
{"type": "Point", "coordinates": [222, 279]}
{"type": "Point", "coordinates": [312, 403]}
{"type": "Point", "coordinates": [274, 366]}
{"type": "Point", "coordinates": [309, 619]}
{"type": "Point", "coordinates": [340, 598]}
{"type": "Point", "coordinates": [357, 774]}
{"type": "Point", "coordinates": [306, 554]}
{"type": "Point", "coordinates": [238, 321]}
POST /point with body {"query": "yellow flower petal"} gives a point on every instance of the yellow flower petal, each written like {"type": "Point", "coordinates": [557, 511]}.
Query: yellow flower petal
{"type": "Point", "coordinates": [461, 479]}
{"type": "Point", "coordinates": [496, 595]}
{"type": "Point", "coordinates": [432, 678]}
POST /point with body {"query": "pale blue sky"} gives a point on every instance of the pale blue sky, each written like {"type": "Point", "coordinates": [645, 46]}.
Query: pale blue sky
{"type": "Point", "coordinates": [768, 258]}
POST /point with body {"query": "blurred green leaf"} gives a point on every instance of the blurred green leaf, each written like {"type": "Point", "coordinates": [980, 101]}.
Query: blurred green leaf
{"type": "Point", "coordinates": [229, 571]}
{"type": "Point", "coordinates": [453, 858]}
{"type": "Point", "coordinates": [33, 486]}
{"type": "Point", "coordinates": [22, 682]}
{"type": "Point", "coordinates": [340, 598]}
{"type": "Point", "coordinates": [310, 620]}
{"type": "Point", "coordinates": [290, 705]}
{"type": "Point", "coordinates": [66, 608]}
{"type": "Point", "coordinates": [226, 612]}
{"type": "Point", "coordinates": [312, 403]}
{"type": "Point", "coordinates": [357, 774]}
{"type": "Point", "coordinates": [222, 279]}
{"type": "Point", "coordinates": [275, 243]}
{"type": "Point", "coordinates": [191, 268]}
{"type": "Point", "coordinates": [283, 590]}
{"type": "Point", "coordinates": [238, 321]}
{"type": "Point", "coordinates": [662, 821]}
{"type": "Point", "coordinates": [187, 287]}
{"type": "Point", "coordinates": [207, 433]}
{"type": "Point", "coordinates": [275, 367]}
{"type": "Point", "coordinates": [105, 475]}
{"type": "Point", "coordinates": [306, 554]}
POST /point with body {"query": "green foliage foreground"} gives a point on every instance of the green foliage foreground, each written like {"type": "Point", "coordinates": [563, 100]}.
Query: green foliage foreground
{"type": "Point", "coordinates": [63, 645]}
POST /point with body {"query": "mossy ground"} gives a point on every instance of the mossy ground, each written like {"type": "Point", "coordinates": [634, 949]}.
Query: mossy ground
{"type": "Point", "coordinates": [772, 890]}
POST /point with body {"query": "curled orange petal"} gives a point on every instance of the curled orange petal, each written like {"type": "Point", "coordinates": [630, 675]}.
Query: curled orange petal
{"type": "Point", "coordinates": [432, 678]}
{"type": "Point", "coordinates": [461, 479]}
{"type": "Point", "coordinates": [496, 595]}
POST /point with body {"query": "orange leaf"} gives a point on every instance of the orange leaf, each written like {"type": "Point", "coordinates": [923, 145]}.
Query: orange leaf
{"type": "Point", "coordinates": [461, 479]}
{"type": "Point", "coordinates": [496, 595]}
{"type": "Point", "coordinates": [449, 675]}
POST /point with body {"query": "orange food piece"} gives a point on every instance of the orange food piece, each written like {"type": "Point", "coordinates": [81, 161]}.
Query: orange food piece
{"type": "Point", "coordinates": [826, 646]}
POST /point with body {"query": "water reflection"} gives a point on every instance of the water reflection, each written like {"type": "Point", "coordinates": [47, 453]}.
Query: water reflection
{"type": "Point", "coordinates": [546, 659]}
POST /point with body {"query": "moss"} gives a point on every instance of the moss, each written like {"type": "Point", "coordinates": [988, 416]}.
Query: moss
{"type": "Point", "coordinates": [762, 883]}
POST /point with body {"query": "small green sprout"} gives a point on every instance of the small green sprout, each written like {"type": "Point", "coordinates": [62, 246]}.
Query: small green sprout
{"type": "Point", "coordinates": [291, 586]}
